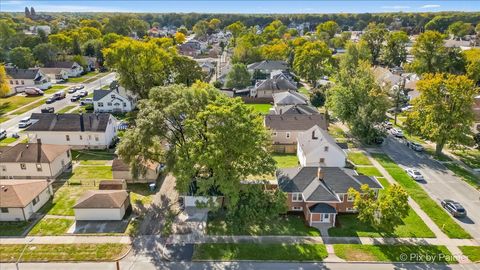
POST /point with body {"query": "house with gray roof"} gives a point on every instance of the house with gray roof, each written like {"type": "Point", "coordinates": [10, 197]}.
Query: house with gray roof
{"type": "Point", "coordinates": [114, 100]}
{"type": "Point", "coordinates": [277, 84]}
{"type": "Point", "coordinates": [268, 66]}
{"type": "Point", "coordinates": [320, 193]}
{"type": "Point", "coordinates": [18, 79]}
{"type": "Point", "coordinates": [72, 68]}
{"type": "Point", "coordinates": [102, 205]}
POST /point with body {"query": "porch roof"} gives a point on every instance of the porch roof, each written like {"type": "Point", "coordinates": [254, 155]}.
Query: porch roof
{"type": "Point", "coordinates": [322, 208]}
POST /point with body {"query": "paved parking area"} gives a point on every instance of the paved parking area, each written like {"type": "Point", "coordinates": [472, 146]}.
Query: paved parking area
{"type": "Point", "coordinates": [98, 227]}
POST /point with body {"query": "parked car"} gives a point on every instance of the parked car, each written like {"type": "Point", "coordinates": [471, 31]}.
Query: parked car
{"type": "Point", "coordinates": [3, 134]}
{"type": "Point", "coordinates": [415, 146]}
{"type": "Point", "coordinates": [59, 95]}
{"type": "Point", "coordinates": [25, 122]}
{"type": "Point", "coordinates": [33, 91]}
{"type": "Point", "coordinates": [407, 108]}
{"type": "Point", "coordinates": [83, 93]}
{"type": "Point", "coordinates": [454, 208]}
{"type": "Point", "coordinates": [72, 89]}
{"type": "Point", "coordinates": [48, 110]}
{"type": "Point", "coordinates": [415, 174]}
{"type": "Point", "coordinates": [387, 125]}
{"type": "Point", "coordinates": [397, 132]}
{"type": "Point", "coordinates": [50, 100]}
{"type": "Point", "coordinates": [86, 101]}
{"type": "Point", "coordinates": [80, 86]}
{"type": "Point", "coordinates": [75, 98]}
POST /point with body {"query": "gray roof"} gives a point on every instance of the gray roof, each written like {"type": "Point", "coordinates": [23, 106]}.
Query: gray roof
{"type": "Point", "coordinates": [62, 64]}
{"type": "Point", "coordinates": [322, 194]}
{"type": "Point", "coordinates": [51, 70]}
{"type": "Point", "coordinates": [296, 109]}
{"type": "Point", "coordinates": [371, 182]}
{"type": "Point", "coordinates": [102, 199]}
{"type": "Point", "coordinates": [99, 94]}
{"type": "Point", "coordinates": [289, 98]}
{"type": "Point", "coordinates": [278, 83]}
{"type": "Point", "coordinates": [22, 74]}
{"type": "Point", "coordinates": [269, 65]}
{"type": "Point", "coordinates": [295, 121]}
{"type": "Point", "coordinates": [322, 208]}
{"type": "Point", "coordinates": [70, 122]}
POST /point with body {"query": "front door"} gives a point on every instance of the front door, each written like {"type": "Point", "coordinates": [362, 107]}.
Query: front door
{"type": "Point", "coordinates": [325, 218]}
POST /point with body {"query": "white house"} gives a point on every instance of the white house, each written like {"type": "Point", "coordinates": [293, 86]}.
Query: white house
{"type": "Point", "coordinates": [102, 205]}
{"type": "Point", "coordinates": [20, 199]}
{"type": "Point", "coordinates": [79, 131]}
{"type": "Point", "coordinates": [34, 160]}
{"type": "Point", "coordinates": [18, 79]}
{"type": "Point", "coordinates": [73, 68]}
{"type": "Point", "coordinates": [56, 74]}
{"type": "Point", "coordinates": [316, 148]}
{"type": "Point", "coordinates": [114, 100]}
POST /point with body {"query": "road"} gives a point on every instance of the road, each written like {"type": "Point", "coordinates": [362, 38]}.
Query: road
{"type": "Point", "coordinates": [12, 125]}
{"type": "Point", "coordinates": [440, 183]}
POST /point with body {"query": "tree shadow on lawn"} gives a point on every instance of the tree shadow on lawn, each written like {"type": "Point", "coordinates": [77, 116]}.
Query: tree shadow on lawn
{"type": "Point", "coordinates": [417, 253]}
{"type": "Point", "coordinates": [348, 225]}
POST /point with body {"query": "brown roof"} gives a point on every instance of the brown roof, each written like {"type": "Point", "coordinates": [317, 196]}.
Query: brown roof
{"type": "Point", "coordinates": [102, 199]}
{"type": "Point", "coordinates": [120, 166]}
{"type": "Point", "coordinates": [295, 121]}
{"type": "Point", "coordinates": [19, 193]}
{"type": "Point", "coordinates": [32, 152]}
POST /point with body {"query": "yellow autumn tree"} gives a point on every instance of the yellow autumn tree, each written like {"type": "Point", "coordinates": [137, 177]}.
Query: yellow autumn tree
{"type": "Point", "coordinates": [4, 88]}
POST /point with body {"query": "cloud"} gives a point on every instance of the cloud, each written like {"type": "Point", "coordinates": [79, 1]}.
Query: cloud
{"type": "Point", "coordinates": [430, 6]}
{"type": "Point", "coordinates": [395, 7]}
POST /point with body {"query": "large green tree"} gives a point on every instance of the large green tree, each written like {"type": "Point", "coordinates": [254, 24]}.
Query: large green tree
{"type": "Point", "coordinates": [429, 53]}
{"type": "Point", "coordinates": [22, 57]}
{"type": "Point", "coordinates": [329, 27]}
{"type": "Point", "coordinates": [460, 29]}
{"type": "Point", "coordinates": [4, 87]}
{"type": "Point", "coordinates": [238, 77]}
{"type": "Point", "coordinates": [443, 112]}
{"type": "Point", "coordinates": [394, 53]}
{"type": "Point", "coordinates": [45, 53]}
{"type": "Point", "coordinates": [375, 35]}
{"type": "Point", "coordinates": [210, 142]}
{"type": "Point", "coordinates": [312, 61]}
{"type": "Point", "coordinates": [186, 71]}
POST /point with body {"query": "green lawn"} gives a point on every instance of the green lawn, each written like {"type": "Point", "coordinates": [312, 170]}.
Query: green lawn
{"type": "Point", "coordinates": [394, 253]}
{"type": "Point", "coordinates": [369, 171]}
{"type": "Point", "coordinates": [336, 132]}
{"type": "Point", "coordinates": [443, 220]}
{"type": "Point", "coordinates": [469, 157]}
{"type": "Point", "coordinates": [64, 199]}
{"type": "Point", "coordinates": [51, 226]}
{"type": "Point", "coordinates": [11, 103]}
{"type": "Point", "coordinates": [54, 89]}
{"type": "Point", "coordinates": [89, 155]}
{"type": "Point", "coordinates": [13, 228]}
{"type": "Point", "coordinates": [63, 252]}
{"type": "Point", "coordinates": [29, 107]}
{"type": "Point", "coordinates": [140, 194]}
{"type": "Point", "coordinates": [82, 78]}
{"type": "Point", "coordinates": [473, 253]}
{"type": "Point", "coordinates": [304, 91]}
{"type": "Point", "coordinates": [90, 172]}
{"type": "Point", "coordinates": [7, 141]}
{"type": "Point", "coordinates": [260, 108]}
{"type": "Point", "coordinates": [283, 225]}
{"type": "Point", "coordinates": [66, 109]}
{"type": "Point", "coordinates": [281, 252]}
{"type": "Point", "coordinates": [413, 226]}
{"type": "Point", "coordinates": [358, 158]}
{"type": "Point", "coordinates": [465, 175]}
{"type": "Point", "coordinates": [285, 160]}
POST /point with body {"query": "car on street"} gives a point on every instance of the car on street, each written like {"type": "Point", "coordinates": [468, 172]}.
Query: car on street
{"type": "Point", "coordinates": [3, 134]}
{"type": "Point", "coordinates": [48, 110]}
{"type": "Point", "coordinates": [72, 89]}
{"type": "Point", "coordinates": [50, 100]}
{"type": "Point", "coordinates": [415, 146]}
{"type": "Point", "coordinates": [83, 93]}
{"type": "Point", "coordinates": [25, 122]}
{"type": "Point", "coordinates": [407, 108]}
{"type": "Point", "coordinates": [75, 98]}
{"type": "Point", "coordinates": [396, 132]}
{"type": "Point", "coordinates": [415, 174]}
{"type": "Point", "coordinates": [454, 208]}
{"type": "Point", "coordinates": [80, 86]}
{"type": "Point", "coordinates": [387, 125]}
{"type": "Point", "coordinates": [86, 101]}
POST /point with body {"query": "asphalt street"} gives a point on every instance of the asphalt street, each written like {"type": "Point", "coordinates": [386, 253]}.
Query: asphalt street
{"type": "Point", "coordinates": [440, 183]}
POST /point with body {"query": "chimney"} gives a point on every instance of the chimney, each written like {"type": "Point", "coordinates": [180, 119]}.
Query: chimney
{"type": "Point", "coordinates": [320, 174]}
{"type": "Point", "coordinates": [39, 150]}
{"type": "Point", "coordinates": [82, 126]}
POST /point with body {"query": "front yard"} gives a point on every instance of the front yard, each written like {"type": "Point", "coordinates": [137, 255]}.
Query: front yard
{"type": "Point", "coordinates": [358, 158]}
{"type": "Point", "coordinates": [51, 226]}
{"type": "Point", "coordinates": [13, 228]}
{"type": "Point", "coordinates": [280, 252]}
{"type": "Point", "coordinates": [64, 199]}
{"type": "Point", "coordinates": [260, 108]}
{"type": "Point", "coordinates": [285, 160]}
{"type": "Point", "coordinates": [472, 252]}
{"type": "Point", "coordinates": [9, 104]}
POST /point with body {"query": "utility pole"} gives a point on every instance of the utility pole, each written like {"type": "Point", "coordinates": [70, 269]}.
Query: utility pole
{"type": "Point", "coordinates": [398, 89]}
{"type": "Point", "coordinates": [21, 254]}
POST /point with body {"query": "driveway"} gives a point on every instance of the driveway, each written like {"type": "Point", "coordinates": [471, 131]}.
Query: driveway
{"type": "Point", "coordinates": [99, 226]}
{"type": "Point", "coordinates": [440, 183]}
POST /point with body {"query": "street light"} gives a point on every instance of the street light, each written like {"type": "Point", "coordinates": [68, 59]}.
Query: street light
{"type": "Point", "coordinates": [23, 251]}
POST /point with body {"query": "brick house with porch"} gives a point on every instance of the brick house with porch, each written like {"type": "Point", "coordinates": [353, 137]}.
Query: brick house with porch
{"type": "Point", "coordinates": [321, 192]}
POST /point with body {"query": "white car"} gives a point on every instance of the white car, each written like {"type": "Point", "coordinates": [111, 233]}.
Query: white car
{"type": "Point", "coordinates": [415, 174]}
{"type": "Point", "coordinates": [397, 132]}
{"type": "Point", "coordinates": [3, 134]}
{"type": "Point", "coordinates": [25, 122]}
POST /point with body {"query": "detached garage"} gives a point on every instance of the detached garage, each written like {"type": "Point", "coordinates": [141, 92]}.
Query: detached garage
{"type": "Point", "coordinates": [102, 205]}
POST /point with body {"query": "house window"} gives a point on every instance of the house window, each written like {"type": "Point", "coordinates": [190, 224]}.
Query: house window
{"type": "Point", "coordinates": [297, 208]}
{"type": "Point", "coordinates": [288, 135]}
{"type": "Point", "coordinates": [16, 82]}
{"type": "Point", "coordinates": [4, 168]}
{"type": "Point", "coordinates": [100, 104]}
{"type": "Point", "coordinates": [11, 81]}
{"type": "Point", "coordinates": [39, 167]}
{"type": "Point", "coordinates": [274, 134]}
{"type": "Point", "coordinates": [113, 96]}
{"type": "Point", "coordinates": [22, 82]}
{"type": "Point", "coordinates": [350, 209]}
{"type": "Point", "coordinates": [322, 160]}
{"type": "Point", "coordinates": [124, 104]}
{"type": "Point", "coordinates": [350, 198]}
{"type": "Point", "coordinates": [67, 137]}
{"type": "Point", "coordinates": [96, 138]}
{"type": "Point", "coordinates": [35, 201]}
{"type": "Point", "coordinates": [68, 153]}
{"type": "Point", "coordinates": [326, 148]}
{"type": "Point", "coordinates": [4, 210]}
{"type": "Point", "coordinates": [23, 166]}
{"type": "Point", "coordinates": [297, 197]}
{"type": "Point", "coordinates": [109, 104]}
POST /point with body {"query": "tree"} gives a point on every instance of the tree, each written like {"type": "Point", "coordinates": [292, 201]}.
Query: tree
{"type": "Point", "coordinates": [76, 46]}
{"type": "Point", "coordinates": [186, 71]}
{"type": "Point", "coordinates": [394, 53]}
{"type": "Point", "coordinates": [317, 98]}
{"type": "Point", "coordinates": [183, 30]}
{"type": "Point", "coordinates": [88, 33]}
{"type": "Point", "coordinates": [460, 29]}
{"type": "Point", "coordinates": [472, 57]}
{"type": "Point", "coordinates": [91, 23]}
{"type": "Point", "coordinates": [7, 32]}
{"type": "Point", "coordinates": [4, 87]}
{"type": "Point", "coordinates": [118, 24]}
{"type": "Point", "coordinates": [22, 57]}
{"type": "Point", "coordinates": [238, 77]}
{"type": "Point", "coordinates": [355, 53]}
{"type": "Point", "coordinates": [245, 52]}
{"type": "Point", "coordinates": [150, 67]}
{"type": "Point", "coordinates": [274, 30]}
{"type": "Point", "coordinates": [198, 124]}
{"type": "Point", "coordinates": [110, 38]}
{"type": "Point", "coordinates": [236, 28]}
{"type": "Point", "coordinates": [358, 100]}
{"type": "Point", "coordinates": [61, 41]}
{"type": "Point", "coordinates": [200, 29]}
{"type": "Point", "coordinates": [277, 51]}
{"type": "Point", "coordinates": [443, 112]}
{"type": "Point", "coordinates": [180, 37]}
{"type": "Point", "coordinates": [329, 27]}
{"type": "Point", "coordinates": [214, 24]}
{"type": "Point", "coordinates": [312, 61]}
{"type": "Point", "coordinates": [429, 53]}
{"type": "Point", "coordinates": [137, 26]}
{"type": "Point", "coordinates": [45, 53]}
{"type": "Point", "coordinates": [384, 213]}
{"type": "Point", "coordinates": [375, 36]}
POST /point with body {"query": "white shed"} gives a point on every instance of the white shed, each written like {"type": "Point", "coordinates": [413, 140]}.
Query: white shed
{"type": "Point", "coordinates": [102, 205]}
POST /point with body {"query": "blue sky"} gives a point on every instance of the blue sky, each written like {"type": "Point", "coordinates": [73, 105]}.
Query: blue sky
{"type": "Point", "coordinates": [252, 6]}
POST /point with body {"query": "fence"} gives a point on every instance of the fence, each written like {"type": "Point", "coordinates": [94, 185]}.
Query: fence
{"type": "Point", "coordinates": [259, 100]}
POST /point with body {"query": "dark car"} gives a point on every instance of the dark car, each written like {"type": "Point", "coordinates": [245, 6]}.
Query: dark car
{"type": "Point", "coordinates": [454, 208]}
{"type": "Point", "coordinates": [75, 98]}
{"type": "Point", "coordinates": [83, 93]}
{"type": "Point", "coordinates": [72, 89]}
{"type": "Point", "coordinates": [415, 146]}
{"type": "Point", "coordinates": [80, 86]}
{"type": "Point", "coordinates": [50, 100]}
{"type": "Point", "coordinates": [48, 110]}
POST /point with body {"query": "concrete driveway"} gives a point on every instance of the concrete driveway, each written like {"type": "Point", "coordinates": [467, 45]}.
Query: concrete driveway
{"type": "Point", "coordinates": [80, 227]}
{"type": "Point", "coordinates": [440, 183]}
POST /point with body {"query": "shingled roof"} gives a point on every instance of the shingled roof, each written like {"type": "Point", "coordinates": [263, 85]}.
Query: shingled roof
{"type": "Point", "coordinates": [19, 193]}
{"type": "Point", "coordinates": [269, 65]}
{"type": "Point", "coordinates": [22, 74]}
{"type": "Point", "coordinates": [278, 83]}
{"type": "Point", "coordinates": [69, 122]}
{"type": "Point", "coordinates": [102, 199]}
{"type": "Point", "coordinates": [31, 153]}
{"type": "Point", "coordinates": [295, 121]}
{"type": "Point", "coordinates": [289, 98]}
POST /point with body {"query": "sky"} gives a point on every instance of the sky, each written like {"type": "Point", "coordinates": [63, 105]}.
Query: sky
{"type": "Point", "coordinates": [250, 6]}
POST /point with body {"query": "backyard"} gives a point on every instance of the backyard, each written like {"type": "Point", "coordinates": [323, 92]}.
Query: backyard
{"type": "Point", "coordinates": [285, 160]}
{"type": "Point", "coordinates": [260, 108]}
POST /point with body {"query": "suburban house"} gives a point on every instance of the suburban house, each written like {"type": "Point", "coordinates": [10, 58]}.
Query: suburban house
{"type": "Point", "coordinates": [267, 67]}
{"type": "Point", "coordinates": [285, 129]}
{"type": "Point", "coordinates": [116, 100]}
{"type": "Point", "coordinates": [321, 192]}
{"type": "Point", "coordinates": [80, 131]}
{"type": "Point", "coordinates": [271, 86]}
{"type": "Point", "coordinates": [55, 74]}
{"type": "Point", "coordinates": [18, 79]}
{"type": "Point", "coordinates": [121, 170]}
{"type": "Point", "coordinates": [192, 48]}
{"type": "Point", "coordinates": [102, 205]}
{"type": "Point", "coordinates": [315, 148]}
{"type": "Point", "coordinates": [73, 68]}
{"type": "Point", "coordinates": [20, 199]}
{"type": "Point", "coordinates": [291, 102]}
{"type": "Point", "coordinates": [34, 160]}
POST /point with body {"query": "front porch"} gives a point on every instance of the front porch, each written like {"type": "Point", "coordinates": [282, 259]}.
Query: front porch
{"type": "Point", "coordinates": [321, 215]}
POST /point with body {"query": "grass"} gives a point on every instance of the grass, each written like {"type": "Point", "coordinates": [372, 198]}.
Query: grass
{"type": "Point", "coordinates": [66, 109]}
{"type": "Point", "coordinates": [473, 253]}
{"type": "Point", "coordinates": [14, 102]}
{"type": "Point", "coordinates": [465, 175]}
{"type": "Point", "coordinates": [358, 158]}
{"type": "Point", "coordinates": [431, 208]}
{"type": "Point", "coordinates": [394, 253]}
{"type": "Point", "coordinates": [91, 172]}
{"type": "Point", "coordinates": [82, 78]}
{"type": "Point", "coordinates": [63, 252]}
{"type": "Point", "coordinates": [7, 141]}
{"type": "Point", "coordinates": [369, 171]}
{"type": "Point", "coordinates": [337, 132]}
{"type": "Point", "coordinates": [64, 199]}
{"type": "Point", "coordinates": [13, 228]}
{"type": "Point", "coordinates": [29, 107]}
{"type": "Point", "coordinates": [304, 91]}
{"type": "Point", "coordinates": [285, 160]}
{"type": "Point", "coordinates": [88, 155]}
{"type": "Point", "coordinates": [51, 226]}
{"type": "Point", "coordinates": [413, 226]}
{"type": "Point", "coordinates": [283, 252]}
{"type": "Point", "coordinates": [140, 194]}
{"type": "Point", "coordinates": [57, 87]}
{"type": "Point", "coordinates": [469, 157]}
{"type": "Point", "coordinates": [260, 108]}
{"type": "Point", "coordinates": [283, 225]}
